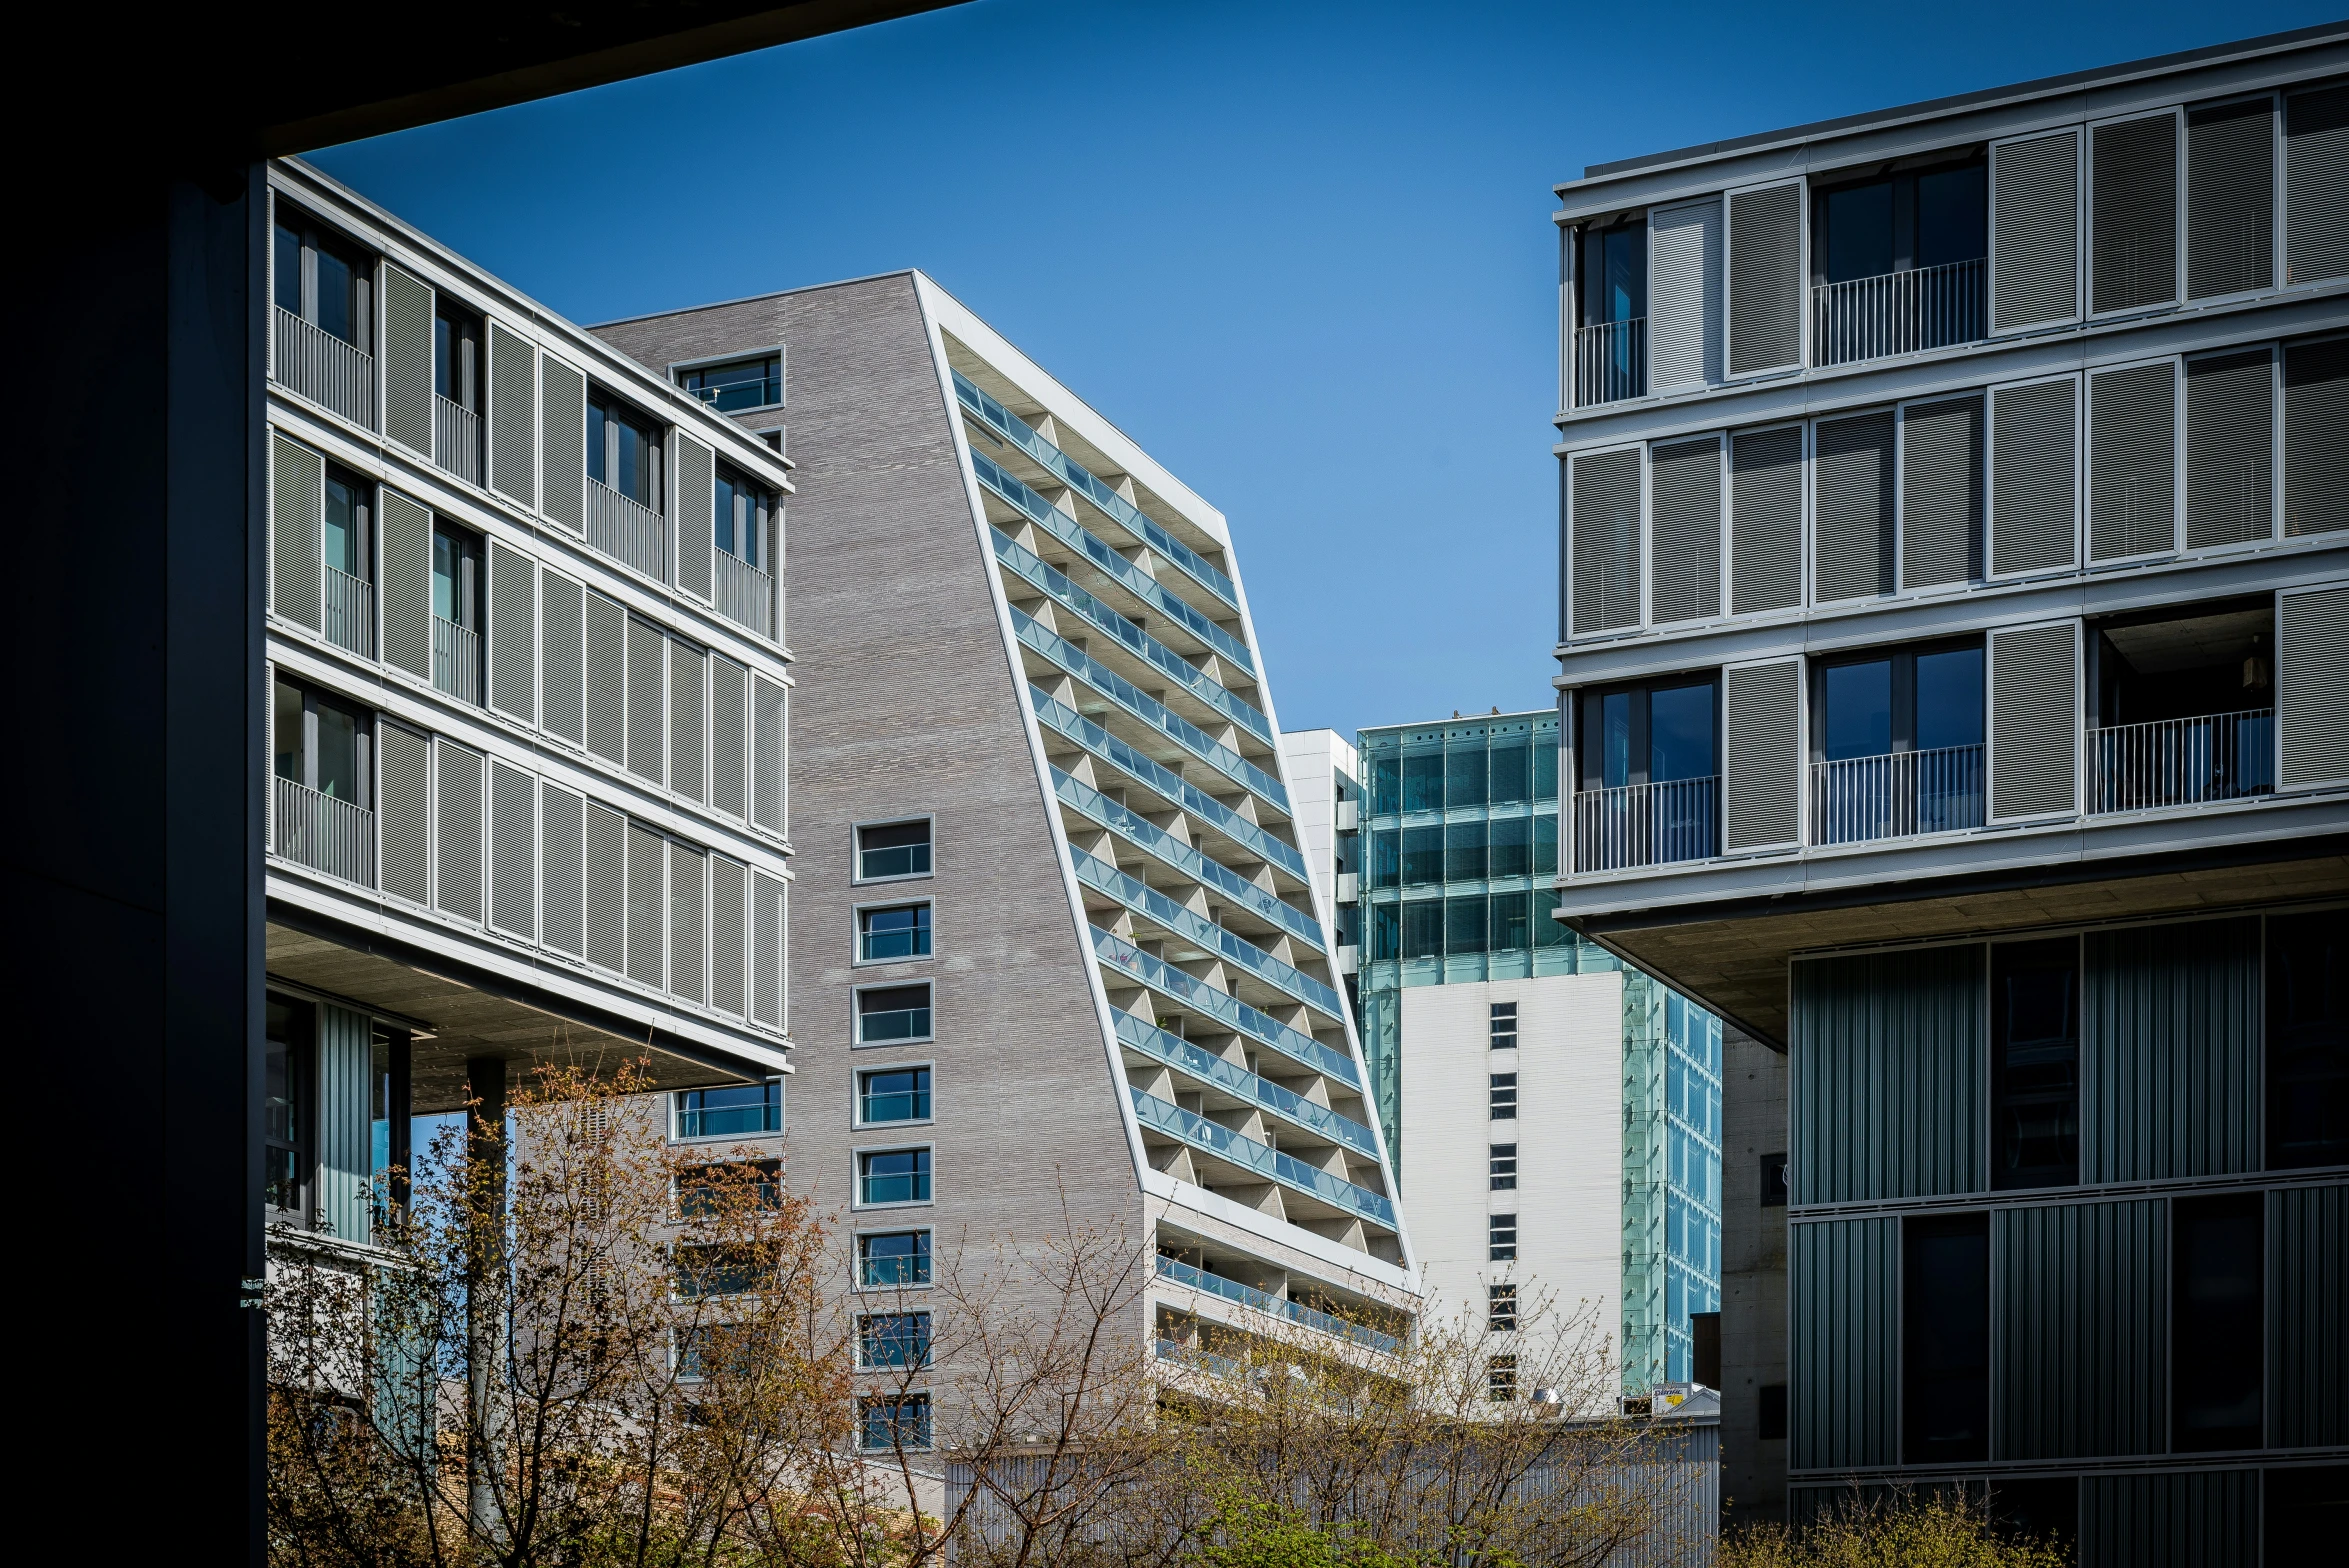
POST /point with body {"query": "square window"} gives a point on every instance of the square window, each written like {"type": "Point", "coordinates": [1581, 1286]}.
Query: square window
{"type": "Point", "coordinates": [1502, 1024]}
{"type": "Point", "coordinates": [892, 1259]}
{"type": "Point", "coordinates": [1500, 1306]}
{"type": "Point", "coordinates": [893, 1339]}
{"type": "Point", "coordinates": [1501, 1234]}
{"type": "Point", "coordinates": [735, 1111]}
{"type": "Point", "coordinates": [720, 1270]}
{"type": "Point", "coordinates": [894, 1421]}
{"type": "Point", "coordinates": [893, 849]}
{"type": "Point", "coordinates": [1504, 1097]}
{"type": "Point", "coordinates": [1503, 1166]}
{"type": "Point", "coordinates": [893, 1176]}
{"type": "Point", "coordinates": [886, 1014]}
{"type": "Point", "coordinates": [1500, 1379]}
{"type": "Point", "coordinates": [897, 931]}
{"type": "Point", "coordinates": [706, 1192]}
{"type": "Point", "coordinates": [893, 1094]}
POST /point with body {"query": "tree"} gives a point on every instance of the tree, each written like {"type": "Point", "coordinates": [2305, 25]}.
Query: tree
{"type": "Point", "coordinates": [1900, 1529]}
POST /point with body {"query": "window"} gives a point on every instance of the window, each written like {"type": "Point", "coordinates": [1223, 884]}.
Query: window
{"type": "Point", "coordinates": [624, 451]}
{"type": "Point", "coordinates": [1500, 1308]}
{"type": "Point", "coordinates": [1945, 1339]}
{"type": "Point", "coordinates": [711, 1191]}
{"type": "Point", "coordinates": [893, 1094]}
{"type": "Point", "coordinates": [892, 1259]}
{"type": "Point", "coordinates": [1501, 1163]}
{"type": "Point", "coordinates": [323, 281]}
{"type": "Point", "coordinates": [350, 501]}
{"type": "Point", "coordinates": [899, 931]}
{"type": "Point", "coordinates": [1504, 1096]}
{"type": "Point", "coordinates": [894, 1421]}
{"type": "Point", "coordinates": [1501, 1021]}
{"type": "Point", "coordinates": [322, 746]}
{"type": "Point", "coordinates": [735, 1111]}
{"type": "Point", "coordinates": [2308, 1040]}
{"type": "Point", "coordinates": [1909, 222]}
{"type": "Point", "coordinates": [1644, 735]}
{"type": "Point", "coordinates": [741, 516]}
{"type": "Point", "coordinates": [286, 1106]}
{"type": "Point", "coordinates": [1509, 847]}
{"type": "Point", "coordinates": [1501, 1238]}
{"type": "Point", "coordinates": [1423, 928]}
{"type": "Point", "coordinates": [1500, 1379]}
{"type": "Point", "coordinates": [2216, 1312]}
{"type": "Point", "coordinates": [2035, 1064]}
{"type": "Point", "coordinates": [456, 354]}
{"type": "Point", "coordinates": [1770, 1410]}
{"type": "Point", "coordinates": [1773, 1181]}
{"type": "Point", "coordinates": [1512, 779]}
{"type": "Point", "coordinates": [1423, 855]}
{"type": "Point", "coordinates": [1423, 781]}
{"type": "Point", "coordinates": [893, 849]}
{"type": "Point", "coordinates": [1899, 737]}
{"type": "Point", "coordinates": [893, 1176]}
{"type": "Point", "coordinates": [893, 1339]}
{"type": "Point", "coordinates": [721, 1270]}
{"type": "Point", "coordinates": [457, 583]}
{"type": "Point", "coordinates": [737, 384]}
{"type": "Point", "coordinates": [889, 1013]}
{"type": "Point", "coordinates": [1615, 272]}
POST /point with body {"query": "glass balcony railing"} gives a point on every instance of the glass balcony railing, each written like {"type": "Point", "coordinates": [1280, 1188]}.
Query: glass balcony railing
{"type": "Point", "coordinates": [1145, 900]}
{"type": "Point", "coordinates": [1898, 313]}
{"type": "Point", "coordinates": [1223, 1007]}
{"type": "Point", "coordinates": [1191, 1355]}
{"type": "Point", "coordinates": [1196, 1278]}
{"type": "Point", "coordinates": [1141, 832]}
{"type": "Point", "coordinates": [1646, 824]}
{"type": "Point", "coordinates": [1186, 1056]}
{"type": "Point", "coordinates": [1286, 1169]}
{"type": "Point", "coordinates": [1896, 795]}
{"type": "Point", "coordinates": [2178, 762]}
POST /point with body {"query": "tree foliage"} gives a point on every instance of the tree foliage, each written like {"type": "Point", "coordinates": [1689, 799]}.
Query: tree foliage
{"type": "Point", "coordinates": [1936, 1529]}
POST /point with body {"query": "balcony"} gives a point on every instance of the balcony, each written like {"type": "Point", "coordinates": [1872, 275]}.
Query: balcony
{"type": "Point", "coordinates": [1204, 1065]}
{"type": "Point", "coordinates": [1213, 940]}
{"type": "Point", "coordinates": [1610, 362]}
{"type": "Point", "coordinates": [2182, 762]}
{"type": "Point", "coordinates": [1647, 824]}
{"type": "Point", "coordinates": [1146, 835]}
{"type": "Point", "coordinates": [1190, 991]}
{"type": "Point", "coordinates": [326, 833]}
{"type": "Point", "coordinates": [1215, 1139]}
{"type": "Point", "coordinates": [456, 660]}
{"type": "Point", "coordinates": [350, 612]}
{"type": "Point", "coordinates": [323, 368]}
{"type": "Point", "coordinates": [744, 594]}
{"type": "Point", "coordinates": [1200, 1279]}
{"type": "Point", "coordinates": [1896, 795]}
{"type": "Point", "coordinates": [625, 529]}
{"type": "Point", "coordinates": [1899, 313]}
{"type": "Point", "coordinates": [456, 439]}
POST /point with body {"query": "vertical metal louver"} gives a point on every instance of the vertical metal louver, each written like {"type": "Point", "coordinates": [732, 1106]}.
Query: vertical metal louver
{"type": "Point", "coordinates": [2034, 477]}
{"type": "Point", "coordinates": [562, 870]}
{"type": "Point", "coordinates": [2316, 455]}
{"type": "Point", "coordinates": [766, 757]}
{"type": "Point", "coordinates": [687, 667]}
{"type": "Point", "coordinates": [1762, 755]}
{"type": "Point", "coordinates": [407, 585]}
{"type": "Point", "coordinates": [1843, 1346]}
{"type": "Point", "coordinates": [513, 633]}
{"type": "Point", "coordinates": [646, 677]}
{"type": "Point", "coordinates": [405, 805]}
{"type": "Point", "coordinates": [2230, 448]}
{"type": "Point", "coordinates": [1684, 296]}
{"type": "Point", "coordinates": [457, 848]}
{"type": "Point", "coordinates": [2230, 198]}
{"type": "Point", "coordinates": [766, 949]}
{"type": "Point", "coordinates": [1685, 546]}
{"type": "Point", "coordinates": [297, 507]}
{"type": "Point", "coordinates": [696, 539]}
{"type": "Point", "coordinates": [2034, 721]}
{"type": "Point", "coordinates": [2316, 184]}
{"type": "Point", "coordinates": [407, 361]}
{"type": "Point", "coordinates": [729, 736]}
{"type": "Point", "coordinates": [2035, 231]}
{"type": "Point", "coordinates": [1941, 493]}
{"type": "Point", "coordinates": [269, 747]}
{"type": "Point", "coordinates": [647, 901]}
{"type": "Point", "coordinates": [1852, 468]}
{"type": "Point", "coordinates": [2133, 214]}
{"type": "Point", "coordinates": [2132, 462]}
{"type": "Point", "coordinates": [607, 888]}
{"type": "Point", "coordinates": [513, 415]}
{"type": "Point", "coordinates": [1604, 525]}
{"type": "Point", "coordinates": [513, 851]}
{"type": "Point", "coordinates": [688, 947]}
{"type": "Point", "coordinates": [2312, 687]}
{"type": "Point", "coordinates": [344, 1130]}
{"type": "Point", "coordinates": [1765, 279]}
{"type": "Point", "coordinates": [729, 934]}
{"type": "Point", "coordinates": [607, 679]}
{"type": "Point", "coordinates": [1766, 520]}
{"type": "Point", "coordinates": [563, 444]}
{"type": "Point", "coordinates": [562, 649]}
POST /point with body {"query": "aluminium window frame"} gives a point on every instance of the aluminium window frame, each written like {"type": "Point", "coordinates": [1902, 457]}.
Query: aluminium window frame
{"type": "Point", "coordinates": [856, 1097]}
{"type": "Point", "coordinates": [856, 1158]}
{"type": "Point", "coordinates": [2187, 550]}
{"type": "Point", "coordinates": [864, 1343]}
{"type": "Point", "coordinates": [856, 1027]}
{"type": "Point", "coordinates": [1718, 262]}
{"type": "Point", "coordinates": [1803, 600]}
{"type": "Point", "coordinates": [856, 932]}
{"type": "Point", "coordinates": [661, 484]}
{"type": "Point", "coordinates": [2090, 315]}
{"type": "Point", "coordinates": [366, 263]}
{"type": "Point", "coordinates": [1990, 394]}
{"type": "Point", "coordinates": [1901, 592]}
{"type": "Point", "coordinates": [2080, 143]}
{"type": "Point", "coordinates": [1647, 529]}
{"type": "Point", "coordinates": [856, 1279]}
{"type": "Point", "coordinates": [2279, 189]}
{"type": "Point", "coordinates": [2090, 374]}
{"type": "Point", "coordinates": [1990, 641]}
{"type": "Point", "coordinates": [777, 352]}
{"type": "Point", "coordinates": [1640, 621]}
{"type": "Point", "coordinates": [699, 1140]}
{"type": "Point", "coordinates": [856, 850]}
{"type": "Point", "coordinates": [2285, 93]}
{"type": "Point", "coordinates": [1810, 562]}
{"type": "Point", "coordinates": [1802, 345]}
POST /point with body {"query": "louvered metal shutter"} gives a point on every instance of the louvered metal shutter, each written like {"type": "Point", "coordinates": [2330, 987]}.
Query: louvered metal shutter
{"type": "Point", "coordinates": [1765, 279]}
{"type": "Point", "coordinates": [687, 666]}
{"type": "Point", "coordinates": [2316, 185]}
{"type": "Point", "coordinates": [513, 415]}
{"type": "Point", "coordinates": [297, 513]}
{"type": "Point", "coordinates": [2035, 231]}
{"type": "Point", "coordinates": [1684, 296]}
{"type": "Point", "coordinates": [2034, 483]}
{"type": "Point", "coordinates": [562, 646]}
{"type": "Point", "coordinates": [2230, 448]}
{"type": "Point", "coordinates": [1605, 527]}
{"type": "Point", "coordinates": [688, 957]}
{"type": "Point", "coordinates": [407, 361]}
{"type": "Point", "coordinates": [1851, 530]}
{"type": "Point", "coordinates": [2132, 462]}
{"type": "Point", "coordinates": [2316, 455]}
{"type": "Point", "coordinates": [696, 521]}
{"type": "Point", "coordinates": [407, 585]}
{"type": "Point", "coordinates": [607, 888]}
{"type": "Point", "coordinates": [1941, 493]}
{"type": "Point", "coordinates": [729, 933]}
{"type": "Point", "coordinates": [2034, 721]}
{"type": "Point", "coordinates": [1762, 752]}
{"type": "Point", "coordinates": [563, 444]}
{"type": "Point", "coordinates": [607, 679]}
{"type": "Point", "coordinates": [766, 760]}
{"type": "Point", "coordinates": [2312, 687]}
{"type": "Point", "coordinates": [2230, 198]}
{"type": "Point", "coordinates": [729, 736]}
{"type": "Point", "coordinates": [1766, 520]}
{"type": "Point", "coordinates": [647, 851]}
{"type": "Point", "coordinates": [405, 787]}
{"type": "Point", "coordinates": [562, 870]}
{"type": "Point", "coordinates": [513, 851]}
{"type": "Point", "coordinates": [645, 680]}
{"type": "Point", "coordinates": [766, 950]}
{"type": "Point", "coordinates": [456, 831]}
{"type": "Point", "coordinates": [1686, 547]}
{"type": "Point", "coordinates": [513, 633]}
{"type": "Point", "coordinates": [2133, 223]}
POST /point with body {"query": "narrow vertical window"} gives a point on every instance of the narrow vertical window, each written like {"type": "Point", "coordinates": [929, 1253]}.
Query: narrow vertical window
{"type": "Point", "coordinates": [2215, 1323]}
{"type": "Point", "coordinates": [1501, 1238]}
{"type": "Point", "coordinates": [1502, 1022]}
{"type": "Point", "coordinates": [2035, 1064]}
{"type": "Point", "coordinates": [1504, 1097]}
{"type": "Point", "coordinates": [1945, 1339]}
{"type": "Point", "coordinates": [2308, 1040]}
{"type": "Point", "coordinates": [1500, 1308]}
{"type": "Point", "coordinates": [285, 1107]}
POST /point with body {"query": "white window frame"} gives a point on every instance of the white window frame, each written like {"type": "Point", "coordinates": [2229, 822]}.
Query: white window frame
{"type": "Point", "coordinates": [856, 1098]}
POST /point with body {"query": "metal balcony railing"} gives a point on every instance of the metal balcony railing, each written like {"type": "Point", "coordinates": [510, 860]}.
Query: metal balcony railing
{"type": "Point", "coordinates": [625, 529]}
{"type": "Point", "coordinates": [1214, 1138]}
{"type": "Point", "coordinates": [1610, 361]}
{"type": "Point", "coordinates": [2178, 762]}
{"type": "Point", "coordinates": [456, 660]}
{"type": "Point", "coordinates": [350, 612]}
{"type": "Point", "coordinates": [1647, 824]}
{"type": "Point", "coordinates": [323, 368]}
{"type": "Point", "coordinates": [1896, 795]}
{"type": "Point", "coordinates": [1898, 312]}
{"type": "Point", "coordinates": [1224, 1008]}
{"type": "Point", "coordinates": [1206, 1066]}
{"type": "Point", "coordinates": [325, 833]}
{"type": "Point", "coordinates": [1214, 1284]}
{"type": "Point", "coordinates": [744, 594]}
{"type": "Point", "coordinates": [456, 439]}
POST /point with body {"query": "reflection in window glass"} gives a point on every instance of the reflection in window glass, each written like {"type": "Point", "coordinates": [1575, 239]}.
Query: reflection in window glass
{"type": "Point", "coordinates": [1511, 848]}
{"type": "Point", "coordinates": [1512, 777]}
{"type": "Point", "coordinates": [345, 525]}
{"type": "Point", "coordinates": [1512, 922]}
{"type": "Point", "coordinates": [1464, 924]}
{"type": "Point", "coordinates": [1386, 859]}
{"type": "Point", "coordinates": [1680, 733]}
{"type": "Point", "coordinates": [1859, 232]}
{"type": "Point", "coordinates": [1385, 930]}
{"type": "Point", "coordinates": [338, 752]}
{"type": "Point", "coordinates": [1953, 216]}
{"type": "Point", "coordinates": [1545, 769]}
{"type": "Point", "coordinates": [1949, 699]}
{"type": "Point", "coordinates": [1464, 775]}
{"type": "Point", "coordinates": [1423, 928]}
{"type": "Point", "coordinates": [1545, 846]}
{"type": "Point", "coordinates": [1859, 710]}
{"type": "Point", "coordinates": [1386, 785]}
{"type": "Point", "coordinates": [893, 1258]}
{"type": "Point", "coordinates": [1423, 782]}
{"type": "Point", "coordinates": [1615, 740]}
{"type": "Point", "coordinates": [1423, 856]}
{"type": "Point", "coordinates": [1464, 852]}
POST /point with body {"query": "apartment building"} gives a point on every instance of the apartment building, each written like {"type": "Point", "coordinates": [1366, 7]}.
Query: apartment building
{"type": "Point", "coordinates": [1954, 669]}
{"type": "Point", "coordinates": [1325, 791]}
{"type": "Point", "coordinates": [1059, 957]}
{"type": "Point", "coordinates": [528, 693]}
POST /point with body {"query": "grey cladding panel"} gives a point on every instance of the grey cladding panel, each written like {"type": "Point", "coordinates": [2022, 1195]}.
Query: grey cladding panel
{"type": "Point", "coordinates": [1766, 520]}
{"type": "Point", "coordinates": [645, 680]}
{"type": "Point", "coordinates": [1685, 546]}
{"type": "Point", "coordinates": [2034, 486]}
{"type": "Point", "coordinates": [688, 956]}
{"type": "Point", "coordinates": [729, 736]}
{"type": "Point", "coordinates": [607, 678]}
{"type": "Point", "coordinates": [562, 647]}
{"type": "Point", "coordinates": [407, 361]}
{"type": "Point", "coordinates": [2133, 229]}
{"type": "Point", "coordinates": [687, 667]}
{"type": "Point", "coordinates": [1885, 1074]}
{"type": "Point", "coordinates": [562, 887]}
{"type": "Point", "coordinates": [646, 900]}
{"type": "Point", "coordinates": [2230, 449]}
{"type": "Point", "coordinates": [513, 415]}
{"type": "Point", "coordinates": [1684, 297]}
{"type": "Point", "coordinates": [407, 585]}
{"type": "Point", "coordinates": [2035, 231]}
{"type": "Point", "coordinates": [2170, 1519]}
{"type": "Point", "coordinates": [2170, 1046]}
{"type": "Point", "coordinates": [2308, 1316]}
{"type": "Point", "coordinates": [729, 934]}
{"type": "Point", "coordinates": [2132, 462]}
{"type": "Point", "coordinates": [1762, 786]}
{"type": "Point", "coordinates": [563, 454]}
{"type": "Point", "coordinates": [513, 633]}
{"type": "Point", "coordinates": [457, 831]}
{"type": "Point", "coordinates": [2034, 722]}
{"type": "Point", "coordinates": [2230, 198]}
{"type": "Point", "coordinates": [1606, 541]}
{"type": "Point", "coordinates": [296, 508]}
{"type": "Point", "coordinates": [607, 888]}
{"type": "Point", "coordinates": [407, 812]}
{"type": "Point", "coordinates": [513, 851]}
{"type": "Point", "coordinates": [1765, 279]}
{"type": "Point", "coordinates": [1843, 1361]}
{"type": "Point", "coordinates": [1851, 536]}
{"type": "Point", "coordinates": [1941, 493]}
{"type": "Point", "coordinates": [767, 912]}
{"type": "Point", "coordinates": [767, 801]}
{"type": "Point", "coordinates": [696, 538]}
{"type": "Point", "coordinates": [2316, 454]}
{"type": "Point", "coordinates": [2079, 1329]}
{"type": "Point", "coordinates": [2316, 184]}
{"type": "Point", "coordinates": [2312, 687]}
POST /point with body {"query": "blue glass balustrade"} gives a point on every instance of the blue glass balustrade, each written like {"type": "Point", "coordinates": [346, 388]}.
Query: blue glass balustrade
{"type": "Point", "coordinates": [1225, 1144]}
{"type": "Point", "coordinates": [1190, 1057]}
{"type": "Point", "coordinates": [1145, 834]}
{"type": "Point", "coordinates": [1224, 1008]}
{"type": "Point", "coordinates": [1279, 1306]}
{"type": "Point", "coordinates": [1145, 900]}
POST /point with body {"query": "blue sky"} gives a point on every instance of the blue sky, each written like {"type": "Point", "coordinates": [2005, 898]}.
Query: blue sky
{"type": "Point", "coordinates": [1301, 252]}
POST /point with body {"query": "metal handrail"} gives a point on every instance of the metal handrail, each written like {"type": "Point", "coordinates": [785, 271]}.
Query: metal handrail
{"type": "Point", "coordinates": [1650, 824]}
{"type": "Point", "coordinates": [1148, 836]}
{"type": "Point", "coordinates": [1899, 312]}
{"type": "Point", "coordinates": [1215, 1284]}
{"type": "Point", "coordinates": [456, 439]}
{"type": "Point", "coordinates": [325, 832]}
{"type": "Point", "coordinates": [1187, 1056]}
{"type": "Point", "coordinates": [1896, 795]}
{"type": "Point", "coordinates": [1220, 1141]}
{"type": "Point", "coordinates": [350, 612]}
{"type": "Point", "coordinates": [1144, 900]}
{"type": "Point", "coordinates": [2178, 762]}
{"type": "Point", "coordinates": [744, 594]}
{"type": "Point", "coordinates": [625, 529]}
{"type": "Point", "coordinates": [456, 660]}
{"type": "Point", "coordinates": [1222, 1006]}
{"type": "Point", "coordinates": [313, 362]}
{"type": "Point", "coordinates": [1610, 361]}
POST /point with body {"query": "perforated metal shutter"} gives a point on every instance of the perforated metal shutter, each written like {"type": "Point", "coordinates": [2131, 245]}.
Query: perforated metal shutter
{"type": "Point", "coordinates": [2316, 454]}
{"type": "Point", "coordinates": [562, 647]}
{"type": "Point", "coordinates": [513, 851]}
{"type": "Point", "coordinates": [513, 633]}
{"type": "Point", "coordinates": [688, 926]}
{"type": "Point", "coordinates": [407, 361]}
{"type": "Point", "coordinates": [1686, 547]}
{"type": "Point", "coordinates": [513, 415]}
{"type": "Point", "coordinates": [766, 949]}
{"type": "Point", "coordinates": [647, 898]}
{"type": "Point", "coordinates": [696, 521]}
{"type": "Point", "coordinates": [688, 729]}
{"type": "Point", "coordinates": [2034, 721]}
{"type": "Point", "coordinates": [607, 888]}
{"type": "Point", "coordinates": [405, 767]}
{"type": "Point", "coordinates": [729, 934]}
{"type": "Point", "coordinates": [1766, 520]}
{"type": "Point", "coordinates": [607, 679]}
{"type": "Point", "coordinates": [562, 870]}
{"type": "Point", "coordinates": [645, 680]}
{"type": "Point", "coordinates": [2034, 483]}
{"type": "Point", "coordinates": [2230, 448]}
{"type": "Point", "coordinates": [2312, 687]}
{"type": "Point", "coordinates": [766, 759]}
{"type": "Point", "coordinates": [2132, 462]}
{"type": "Point", "coordinates": [1762, 752]}
{"type": "Point", "coordinates": [2035, 231]}
{"type": "Point", "coordinates": [563, 444]}
{"type": "Point", "coordinates": [297, 505]}
{"type": "Point", "coordinates": [2316, 184]}
{"type": "Point", "coordinates": [2230, 198]}
{"type": "Point", "coordinates": [1851, 529]}
{"type": "Point", "coordinates": [729, 736]}
{"type": "Point", "coordinates": [1765, 279]}
{"type": "Point", "coordinates": [2133, 227]}
{"type": "Point", "coordinates": [1605, 528]}
{"type": "Point", "coordinates": [407, 585]}
{"type": "Point", "coordinates": [1941, 493]}
{"type": "Point", "coordinates": [1684, 296]}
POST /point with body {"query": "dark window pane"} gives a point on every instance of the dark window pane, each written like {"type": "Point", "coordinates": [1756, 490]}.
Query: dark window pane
{"type": "Point", "coordinates": [1953, 217]}
{"type": "Point", "coordinates": [897, 1258]}
{"type": "Point", "coordinates": [342, 524]}
{"type": "Point", "coordinates": [285, 1101]}
{"type": "Point", "coordinates": [1545, 769]}
{"type": "Point", "coordinates": [1545, 846]}
{"type": "Point", "coordinates": [443, 356]}
{"type": "Point", "coordinates": [894, 849]}
{"type": "Point", "coordinates": [1385, 931]}
{"type": "Point", "coordinates": [1464, 781]}
{"type": "Point", "coordinates": [1510, 847]}
{"type": "Point", "coordinates": [2044, 1507]}
{"type": "Point", "coordinates": [1386, 859]}
{"type": "Point", "coordinates": [1680, 733]}
{"type": "Point", "coordinates": [2304, 1506]}
{"type": "Point", "coordinates": [1386, 785]}
{"type": "Point", "coordinates": [1464, 852]}
{"type": "Point", "coordinates": [598, 439]}
{"type": "Point", "coordinates": [1949, 699]}
{"type": "Point", "coordinates": [2307, 1040]}
{"type": "Point", "coordinates": [1548, 929]}
{"type": "Point", "coordinates": [903, 932]}
{"type": "Point", "coordinates": [288, 743]}
{"type": "Point", "coordinates": [1770, 1411]}
{"type": "Point", "coordinates": [1512, 774]}
{"type": "Point", "coordinates": [1423, 928]}
{"type": "Point", "coordinates": [1615, 740]}
{"type": "Point", "coordinates": [896, 1095]}
{"type": "Point", "coordinates": [338, 753]}
{"type": "Point", "coordinates": [1423, 856]}
{"type": "Point", "coordinates": [289, 270]}
{"type": "Point", "coordinates": [1859, 709]}
{"type": "Point", "coordinates": [1464, 920]}
{"type": "Point", "coordinates": [2215, 1330]}
{"type": "Point", "coordinates": [2035, 1060]}
{"type": "Point", "coordinates": [897, 1012]}
{"type": "Point", "coordinates": [1622, 273]}
{"type": "Point", "coordinates": [1423, 781]}
{"type": "Point", "coordinates": [1512, 922]}
{"type": "Point", "coordinates": [1945, 1343]}
{"type": "Point", "coordinates": [1859, 232]}
{"type": "Point", "coordinates": [731, 1111]}
{"type": "Point", "coordinates": [335, 314]}
{"type": "Point", "coordinates": [1773, 1181]}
